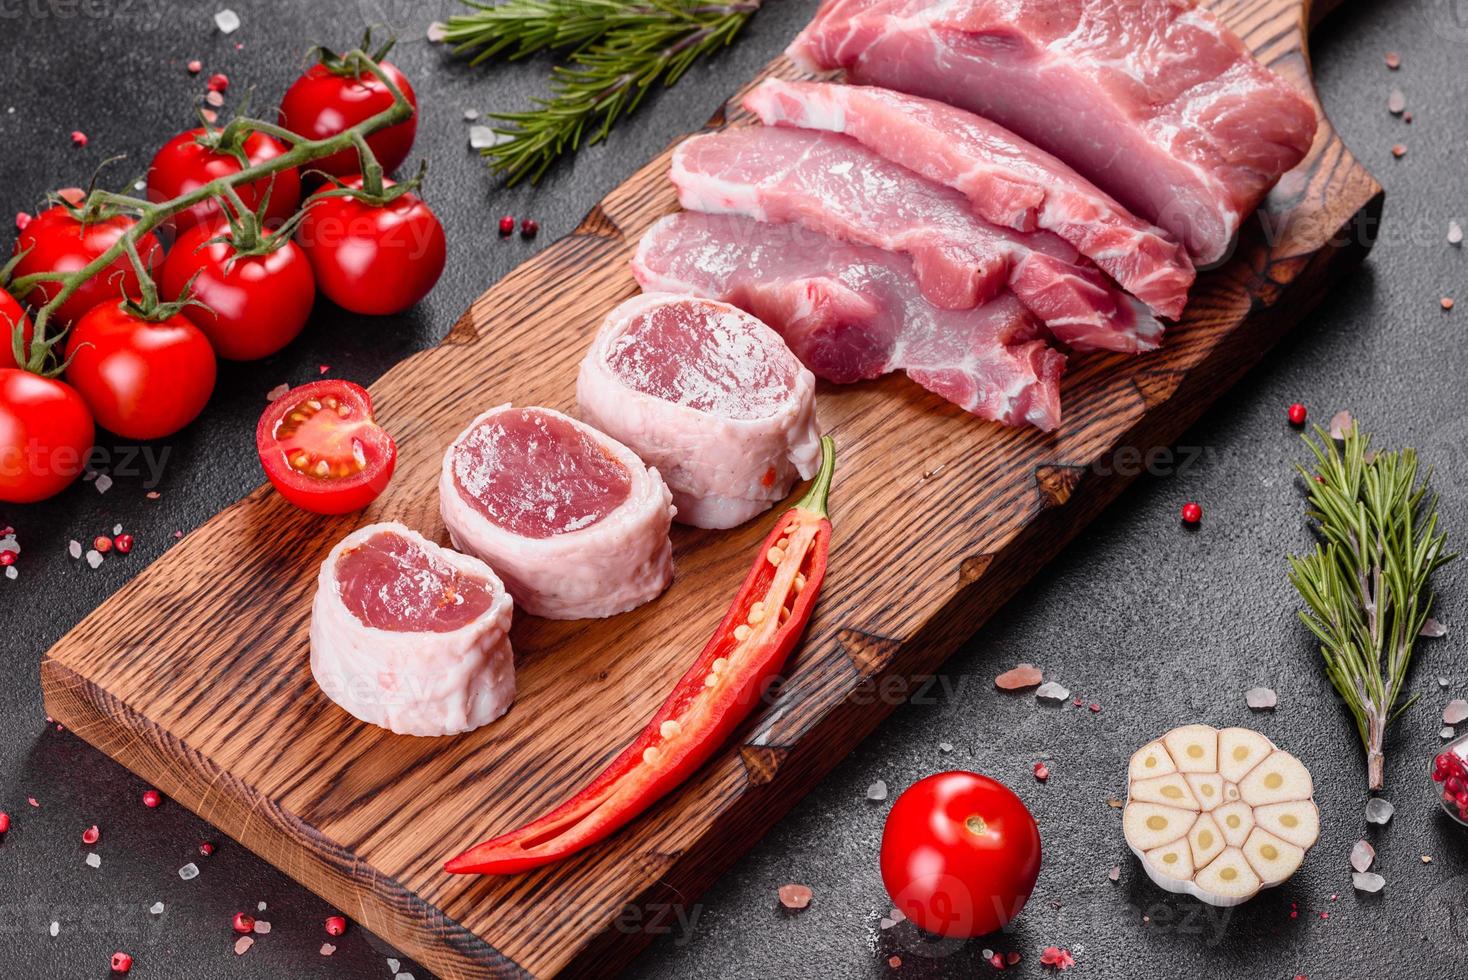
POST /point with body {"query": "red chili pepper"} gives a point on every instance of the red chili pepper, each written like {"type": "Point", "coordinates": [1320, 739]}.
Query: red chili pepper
{"type": "Point", "coordinates": [724, 684]}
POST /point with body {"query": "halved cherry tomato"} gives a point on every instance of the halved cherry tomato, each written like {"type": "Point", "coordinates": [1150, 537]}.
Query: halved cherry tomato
{"type": "Point", "coordinates": [143, 379]}
{"type": "Point", "coordinates": [328, 99]}
{"type": "Point", "coordinates": [253, 304]}
{"type": "Point", "coordinates": [373, 260]}
{"type": "Point", "coordinates": [323, 450]}
{"type": "Point", "coordinates": [45, 435]}
{"type": "Point", "coordinates": [12, 316]}
{"type": "Point", "coordinates": [58, 241]}
{"type": "Point", "coordinates": [960, 854]}
{"type": "Point", "coordinates": [189, 161]}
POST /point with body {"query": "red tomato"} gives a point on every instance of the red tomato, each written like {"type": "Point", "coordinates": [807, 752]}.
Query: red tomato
{"type": "Point", "coordinates": [185, 164]}
{"type": "Point", "coordinates": [323, 450]}
{"type": "Point", "coordinates": [960, 854]}
{"type": "Point", "coordinates": [143, 380]}
{"type": "Point", "coordinates": [58, 242]}
{"type": "Point", "coordinates": [45, 435]}
{"type": "Point", "coordinates": [324, 102]}
{"type": "Point", "coordinates": [256, 304]}
{"type": "Point", "coordinates": [11, 316]}
{"type": "Point", "coordinates": [373, 260]}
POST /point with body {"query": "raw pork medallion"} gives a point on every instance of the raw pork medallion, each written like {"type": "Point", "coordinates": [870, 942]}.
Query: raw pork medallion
{"type": "Point", "coordinates": [831, 184]}
{"type": "Point", "coordinates": [1218, 814]}
{"type": "Point", "coordinates": [1008, 181]}
{"type": "Point", "coordinates": [570, 518]}
{"type": "Point", "coordinates": [1156, 101]}
{"type": "Point", "coordinates": [852, 312]}
{"type": "Point", "coordinates": [411, 636]}
{"type": "Point", "coordinates": [711, 397]}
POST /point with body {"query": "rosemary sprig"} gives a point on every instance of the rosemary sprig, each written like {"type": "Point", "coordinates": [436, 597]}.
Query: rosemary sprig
{"type": "Point", "coordinates": [1365, 584]}
{"type": "Point", "coordinates": [618, 52]}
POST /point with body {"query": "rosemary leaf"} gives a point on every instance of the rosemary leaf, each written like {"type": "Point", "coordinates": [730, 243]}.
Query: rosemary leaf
{"type": "Point", "coordinates": [1365, 585]}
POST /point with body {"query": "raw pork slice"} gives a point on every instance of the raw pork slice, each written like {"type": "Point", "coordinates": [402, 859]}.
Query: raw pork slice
{"type": "Point", "coordinates": [411, 636]}
{"type": "Point", "coordinates": [832, 184]}
{"type": "Point", "coordinates": [1155, 101]}
{"type": "Point", "coordinates": [852, 312]}
{"type": "Point", "coordinates": [571, 519]}
{"type": "Point", "coordinates": [1008, 181]}
{"type": "Point", "coordinates": [711, 397]}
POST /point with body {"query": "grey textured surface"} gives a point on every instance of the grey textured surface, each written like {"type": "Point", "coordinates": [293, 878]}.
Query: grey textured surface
{"type": "Point", "coordinates": [1158, 626]}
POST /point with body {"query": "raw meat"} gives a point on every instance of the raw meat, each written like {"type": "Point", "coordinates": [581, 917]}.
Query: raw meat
{"type": "Point", "coordinates": [1155, 101]}
{"type": "Point", "coordinates": [1008, 181]}
{"type": "Point", "coordinates": [410, 636]}
{"type": "Point", "coordinates": [571, 519]}
{"type": "Point", "coordinates": [852, 312]}
{"type": "Point", "coordinates": [711, 397]}
{"type": "Point", "coordinates": [832, 184]}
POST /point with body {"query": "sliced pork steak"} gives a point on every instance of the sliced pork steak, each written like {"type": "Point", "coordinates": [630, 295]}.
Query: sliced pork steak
{"type": "Point", "coordinates": [710, 396]}
{"type": "Point", "coordinates": [852, 312]}
{"type": "Point", "coordinates": [832, 184]}
{"type": "Point", "coordinates": [410, 636]}
{"type": "Point", "coordinates": [1008, 181]}
{"type": "Point", "coordinates": [1156, 101]}
{"type": "Point", "coordinates": [570, 518]}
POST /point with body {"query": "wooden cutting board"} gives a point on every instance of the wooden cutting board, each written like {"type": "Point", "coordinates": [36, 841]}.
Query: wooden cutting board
{"type": "Point", "coordinates": [195, 674]}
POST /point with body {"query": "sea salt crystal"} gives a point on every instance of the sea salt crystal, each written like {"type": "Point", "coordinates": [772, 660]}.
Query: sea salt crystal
{"type": "Point", "coordinates": [189, 871]}
{"type": "Point", "coordinates": [94, 860]}
{"type": "Point", "coordinates": [877, 791]}
{"type": "Point", "coordinates": [1340, 424]}
{"type": "Point", "coordinates": [94, 557]}
{"type": "Point", "coordinates": [471, 114]}
{"type": "Point", "coordinates": [11, 572]}
{"type": "Point", "coordinates": [1115, 873]}
{"type": "Point", "coordinates": [55, 928]}
{"type": "Point", "coordinates": [1051, 691]}
{"type": "Point", "coordinates": [1455, 712]}
{"type": "Point", "coordinates": [242, 945]}
{"type": "Point", "coordinates": [1022, 676]}
{"type": "Point", "coordinates": [262, 928]}
{"type": "Point", "coordinates": [945, 747]}
{"type": "Point", "coordinates": [277, 392]}
{"type": "Point", "coordinates": [216, 99]}
{"type": "Point", "coordinates": [1396, 103]}
{"type": "Point", "coordinates": [156, 908]}
{"type": "Point", "coordinates": [1455, 233]}
{"type": "Point", "coordinates": [1432, 628]}
{"type": "Point", "coordinates": [1447, 731]}
{"type": "Point", "coordinates": [327, 949]}
{"type": "Point", "coordinates": [392, 966]}
{"type": "Point", "coordinates": [436, 32]}
{"type": "Point", "coordinates": [104, 483]}
{"type": "Point", "coordinates": [403, 976]}
{"type": "Point", "coordinates": [1378, 810]}
{"type": "Point", "coordinates": [260, 907]}
{"type": "Point", "coordinates": [227, 21]}
{"type": "Point", "coordinates": [1260, 698]}
{"type": "Point", "coordinates": [1362, 854]}
{"type": "Point", "coordinates": [795, 896]}
{"type": "Point", "coordinates": [482, 137]}
{"type": "Point", "coordinates": [1368, 881]}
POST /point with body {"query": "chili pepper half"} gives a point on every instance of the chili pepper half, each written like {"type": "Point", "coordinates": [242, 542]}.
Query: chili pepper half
{"type": "Point", "coordinates": [747, 651]}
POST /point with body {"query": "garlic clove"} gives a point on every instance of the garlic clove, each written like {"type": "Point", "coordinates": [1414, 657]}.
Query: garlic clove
{"type": "Point", "coordinates": [1150, 760]}
{"type": "Point", "coordinates": [1151, 825]}
{"type": "Point", "coordinates": [1228, 880]}
{"type": "Point", "coordinates": [1174, 860]}
{"type": "Point", "coordinates": [1194, 748]}
{"type": "Point", "coordinates": [1240, 750]}
{"type": "Point", "coordinates": [1206, 840]}
{"type": "Point", "coordinates": [1272, 858]}
{"type": "Point", "coordinates": [1278, 779]}
{"type": "Point", "coordinates": [1235, 819]}
{"type": "Point", "coordinates": [1207, 789]}
{"type": "Point", "coordinates": [1170, 790]}
{"type": "Point", "coordinates": [1297, 822]}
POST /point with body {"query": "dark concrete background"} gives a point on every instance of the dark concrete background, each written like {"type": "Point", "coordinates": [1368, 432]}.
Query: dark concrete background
{"type": "Point", "coordinates": [1158, 626]}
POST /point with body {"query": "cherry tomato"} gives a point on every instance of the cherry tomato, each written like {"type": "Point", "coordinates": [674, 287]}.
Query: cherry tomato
{"type": "Point", "coordinates": [323, 450]}
{"type": "Point", "coordinates": [45, 435]}
{"type": "Point", "coordinates": [185, 164]}
{"type": "Point", "coordinates": [142, 379]}
{"type": "Point", "coordinates": [59, 242]}
{"type": "Point", "coordinates": [960, 854]}
{"type": "Point", "coordinates": [325, 101]}
{"type": "Point", "coordinates": [11, 316]}
{"type": "Point", "coordinates": [253, 304]}
{"type": "Point", "coordinates": [373, 260]}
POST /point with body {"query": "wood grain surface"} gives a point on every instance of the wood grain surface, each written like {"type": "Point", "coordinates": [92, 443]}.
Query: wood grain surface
{"type": "Point", "coordinates": [195, 674]}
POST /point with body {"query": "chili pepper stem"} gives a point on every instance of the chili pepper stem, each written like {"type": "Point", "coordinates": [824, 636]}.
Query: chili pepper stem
{"type": "Point", "coordinates": [820, 490]}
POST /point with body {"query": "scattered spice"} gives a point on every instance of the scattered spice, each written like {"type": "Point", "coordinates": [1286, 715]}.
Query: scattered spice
{"type": "Point", "coordinates": [243, 923]}
{"type": "Point", "coordinates": [1396, 103]}
{"type": "Point", "coordinates": [1297, 414]}
{"type": "Point", "coordinates": [102, 544]}
{"type": "Point", "coordinates": [121, 962]}
{"type": "Point", "coordinates": [507, 225]}
{"type": "Point", "coordinates": [1192, 513]}
{"type": "Point", "coordinates": [529, 227]}
{"type": "Point", "coordinates": [206, 848]}
{"type": "Point", "coordinates": [195, 66]}
{"type": "Point", "coordinates": [1042, 771]}
{"type": "Point", "coordinates": [1447, 302]}
{"type": "Point", "coordinates": [123, 543]}
{"type": "Point", "coordinates": [151, 799]}
{"type": "Point", "coordinates": [91, 835]}
{"type": "Point", "coordinates": [4, 822]}
{"type": "Point", "coordinates": [335, 925]}
{"type": "Point", "coordinates": [1060, 959]}
{"type": "Point", "coordinates": [78, 138]}
{"type": "Point", "coordinates": [794, 896]}
{"type": "Point", "coordinates": [22, 220]}
{"type": "Point", "coordinates": [1393, 60]}
{"type": "Point", "coordinates": [1399, 150]}
{"type": "Point", "coordinates": [894, 961]}
{"type": "Point", "coordinates": [1019, 678]}
{"type": "Point", "coordinates": [218, 83]}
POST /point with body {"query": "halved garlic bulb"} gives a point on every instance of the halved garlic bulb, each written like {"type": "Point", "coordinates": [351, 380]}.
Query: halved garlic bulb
{"type": "Point", "coordinates": [1218, 814]}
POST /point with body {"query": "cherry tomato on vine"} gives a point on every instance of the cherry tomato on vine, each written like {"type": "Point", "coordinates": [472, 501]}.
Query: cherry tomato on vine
{"type": "Point", "coordinates": [332, 97]}
{"type": "Point", "coordinates": [369, 259]}
{"type": "Point", "coordinates": [12, 316]}
{"type": "Point", "coordinates": [143, 379]}
{"type": "Point", "coordinates": [254, 304]}
{"type": "Point", "coordinates": [45, 435]}
{"type": "Point", "coordinates": [323, 450]}
{"type": "Point", "coordinates": [57, 240]}
{"type": "Point", "coordinates": [960, 854]}
{"type": "Point", "coordinates": [197, 156]}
